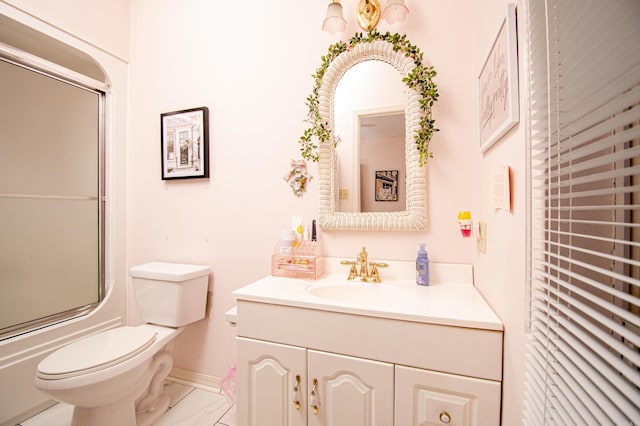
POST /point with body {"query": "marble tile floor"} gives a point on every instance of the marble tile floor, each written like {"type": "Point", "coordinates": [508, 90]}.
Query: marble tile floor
{"type": "Point", "coordinates": [191, 405]}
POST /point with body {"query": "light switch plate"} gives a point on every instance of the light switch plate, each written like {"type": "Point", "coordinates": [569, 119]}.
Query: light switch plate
{"type": "Point", "coordinates": [501, 188]}
{"type": "Point", "coordinates": [482, 237]}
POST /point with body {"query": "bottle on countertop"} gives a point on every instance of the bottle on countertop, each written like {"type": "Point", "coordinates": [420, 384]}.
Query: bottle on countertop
{"type": "Point", "coordinates": [422, 266]}
{"type": "Point", "coordinates": [287, 239]}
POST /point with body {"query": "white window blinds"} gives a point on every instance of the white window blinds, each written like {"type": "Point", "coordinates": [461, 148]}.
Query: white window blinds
{"type": "Point", "coordinates": [583, 355]}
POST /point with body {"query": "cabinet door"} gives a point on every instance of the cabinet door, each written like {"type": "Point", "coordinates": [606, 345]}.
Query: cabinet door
{"type": "Point", "coordinates": [349, 391]}
{"type": "Point", "coordinates": [429, 398]}
{"type": "Point", "coordinates": [267, 377]}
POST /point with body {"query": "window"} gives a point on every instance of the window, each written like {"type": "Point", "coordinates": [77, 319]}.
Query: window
{"type": "Point", "coordinates": [583, 355]}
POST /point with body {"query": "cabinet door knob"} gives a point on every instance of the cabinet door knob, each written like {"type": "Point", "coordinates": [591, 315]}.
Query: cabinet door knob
{"type": "Point", "coordinates": [314, 400]}
{"type": "Point", "coordinates": [445, 417]}
{"type": "Point", "coordinates": [296, 392]}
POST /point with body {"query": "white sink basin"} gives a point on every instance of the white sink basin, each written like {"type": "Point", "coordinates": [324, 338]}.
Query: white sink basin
{"type": "Point", "coordinates": [451, 299]}
{"type": "Point", "coordinates": [359, 292]}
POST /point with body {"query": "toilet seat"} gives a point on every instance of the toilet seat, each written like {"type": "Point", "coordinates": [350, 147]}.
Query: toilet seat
{"type": "Point", "coordinates": [97, 352]}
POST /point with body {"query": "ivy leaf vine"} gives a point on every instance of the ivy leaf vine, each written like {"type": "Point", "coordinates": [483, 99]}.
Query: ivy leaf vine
{"type": "Point", "coordinates": [420, 79]}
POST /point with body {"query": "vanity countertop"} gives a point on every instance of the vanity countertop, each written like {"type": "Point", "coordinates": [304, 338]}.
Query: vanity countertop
{"type": "Point", "coordinates": [450, 300]}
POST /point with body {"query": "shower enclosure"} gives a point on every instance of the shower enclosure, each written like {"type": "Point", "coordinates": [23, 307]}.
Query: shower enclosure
{"type": "Point", "coordinates": [51, 196]}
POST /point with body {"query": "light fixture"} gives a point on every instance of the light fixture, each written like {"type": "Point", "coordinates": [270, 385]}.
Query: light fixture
{"type": "Point", "coordinates": [334, 22]}
{"type": "Point", "coordinates": [396, 11]}
{"type": "Point", "coordinates": [368, 14]}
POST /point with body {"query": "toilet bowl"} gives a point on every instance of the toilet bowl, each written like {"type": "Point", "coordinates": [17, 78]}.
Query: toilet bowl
{"type": "Point", "coordinates": [116, 376]}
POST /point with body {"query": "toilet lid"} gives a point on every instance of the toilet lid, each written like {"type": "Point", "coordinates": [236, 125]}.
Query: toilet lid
{"type": "Point", "coordinates": [96, 352]}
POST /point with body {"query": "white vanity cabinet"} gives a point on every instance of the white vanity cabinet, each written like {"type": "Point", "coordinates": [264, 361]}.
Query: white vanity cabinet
{"type": "Point", "coordinates": [287, 385]}
{"type": "Point", "coordinates": [415, 357]}
{"type": "Point", "coordinates": [424, 397]}
{"type": "Point", "coordinates": [269, 384]}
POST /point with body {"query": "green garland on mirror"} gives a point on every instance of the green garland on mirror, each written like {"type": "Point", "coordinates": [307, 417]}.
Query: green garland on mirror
{"type": "Point", "coordinates": [419, 79]}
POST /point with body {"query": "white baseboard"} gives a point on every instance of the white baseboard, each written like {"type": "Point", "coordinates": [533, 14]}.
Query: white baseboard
{"type": "Point", "coordinates": [28, 414]}
{"type": "Point", "coordinates": [193, 378]}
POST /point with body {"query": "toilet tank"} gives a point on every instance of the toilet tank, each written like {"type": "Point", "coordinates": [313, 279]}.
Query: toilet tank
{"type": "Point", "coordinates": [170, 294]}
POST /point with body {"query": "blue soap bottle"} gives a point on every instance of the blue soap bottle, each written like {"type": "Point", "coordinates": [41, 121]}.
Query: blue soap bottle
{"type": "Point", "coordinates": [422, 266]}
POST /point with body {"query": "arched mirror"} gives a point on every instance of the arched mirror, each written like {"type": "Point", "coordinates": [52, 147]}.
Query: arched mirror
{"type": "Point", "coordinates": [341, 169]}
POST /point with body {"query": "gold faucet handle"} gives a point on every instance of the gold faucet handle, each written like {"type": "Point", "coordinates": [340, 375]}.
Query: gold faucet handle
{"type": "Point", "coordinates": [353, 272]}
{"type": "Point", "coordinates": [374, 277]}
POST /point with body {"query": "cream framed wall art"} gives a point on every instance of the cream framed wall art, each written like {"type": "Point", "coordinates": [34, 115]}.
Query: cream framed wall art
{"type": "Point", "coordinates": [498, 85]}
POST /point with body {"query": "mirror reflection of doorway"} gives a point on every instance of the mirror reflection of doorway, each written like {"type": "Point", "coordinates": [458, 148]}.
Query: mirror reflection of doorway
{"type": "Point", "coordinates": [382, 163]}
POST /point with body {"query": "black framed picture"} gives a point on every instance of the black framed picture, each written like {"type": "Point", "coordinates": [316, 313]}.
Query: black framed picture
{"type": "Point", "coordinates": [386, 185]}
{"type": "Point", "coordinates": [185, 143]}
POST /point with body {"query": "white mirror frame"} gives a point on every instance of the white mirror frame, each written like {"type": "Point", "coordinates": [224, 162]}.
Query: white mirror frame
{"type": "Point", "coordinates": [414, 218]}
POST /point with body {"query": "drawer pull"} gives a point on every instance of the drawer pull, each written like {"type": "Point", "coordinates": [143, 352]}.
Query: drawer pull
{"type": "Point", "coordinates": [314, 400]}
{"type": "Point", "coordinates": [445, 417]}
{"type": "Point", "coordinates": [296, 392]}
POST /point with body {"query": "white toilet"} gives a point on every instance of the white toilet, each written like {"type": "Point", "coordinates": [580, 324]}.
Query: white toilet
{"type": "Point", "coordinates": [116, 376]}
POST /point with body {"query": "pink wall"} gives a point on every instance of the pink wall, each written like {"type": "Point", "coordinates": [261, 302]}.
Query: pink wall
{"type": "Point", "coordinates": [101, 24]}
{"type": "Point", "coordinates": [500, 273]}
{"type": "Point", "coordinates": [251, 64]}
{"type": "Point", "coordinates": [252, 68]}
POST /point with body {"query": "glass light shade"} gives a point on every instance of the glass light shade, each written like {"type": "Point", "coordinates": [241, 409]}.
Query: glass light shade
{"type": "Point", "coordinates": [396, 11]}
{"type": "Point", "coordinates": [334, 22]}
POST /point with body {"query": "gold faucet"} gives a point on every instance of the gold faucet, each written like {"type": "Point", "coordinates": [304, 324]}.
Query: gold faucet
{"type": "Point", "coordinates": [364, 274]}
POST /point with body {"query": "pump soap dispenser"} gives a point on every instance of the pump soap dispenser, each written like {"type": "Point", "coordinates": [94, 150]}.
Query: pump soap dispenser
{"type": "Point", "coordinates": [422, 266]}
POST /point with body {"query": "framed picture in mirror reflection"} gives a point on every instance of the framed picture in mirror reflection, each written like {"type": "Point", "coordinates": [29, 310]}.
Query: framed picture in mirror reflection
{"type": "Point", "coordinates": [185, 143]}
{"type": "Point", "coordinates": [386, 185]}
